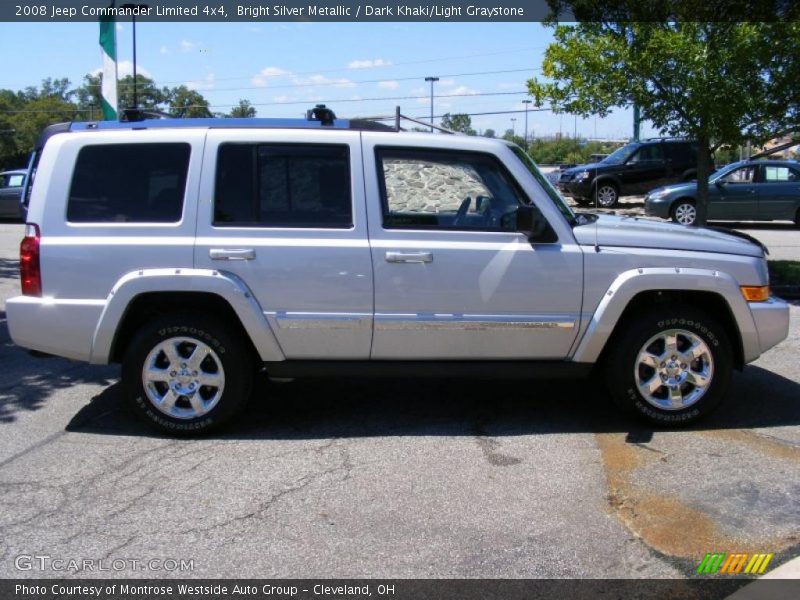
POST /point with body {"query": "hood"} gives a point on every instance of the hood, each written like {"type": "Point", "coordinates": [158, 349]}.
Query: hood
{"type": "Point", "coordinates": [588, 167]}
{"type": "Point", "coordinates": [640, 233]}
{"type": "Point", "coordinates": [686, 187]}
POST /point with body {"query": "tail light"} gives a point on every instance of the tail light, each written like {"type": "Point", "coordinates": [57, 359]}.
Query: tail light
{"type": "Point", "coordinates": [29, 272]}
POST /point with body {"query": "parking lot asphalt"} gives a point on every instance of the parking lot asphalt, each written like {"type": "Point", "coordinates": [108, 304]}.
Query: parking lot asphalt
{"type": "Point", "coordinates": [393, 478]}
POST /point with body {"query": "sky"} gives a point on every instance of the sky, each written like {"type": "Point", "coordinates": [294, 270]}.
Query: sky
{"type": "Point", "coordinates": [358, 69]}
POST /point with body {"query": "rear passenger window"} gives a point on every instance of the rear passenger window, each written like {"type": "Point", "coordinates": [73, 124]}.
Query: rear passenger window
{"type": "Point", "coordinates": [129, 183]}
{"type": "Point", "coordinates": [283, 185]}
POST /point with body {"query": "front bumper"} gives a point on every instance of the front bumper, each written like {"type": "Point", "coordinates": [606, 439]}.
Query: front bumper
{"type": "Point", "coordinates": [771, 319]}
{"type": "Point", "coordinates": [657, 208]}
{"type": "Point", "coordinates": [576, 189]}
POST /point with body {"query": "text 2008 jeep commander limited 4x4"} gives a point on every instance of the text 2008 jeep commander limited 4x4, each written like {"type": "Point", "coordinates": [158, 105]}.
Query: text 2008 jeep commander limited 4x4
{"type": "Point", "coordinates": [196, 252]}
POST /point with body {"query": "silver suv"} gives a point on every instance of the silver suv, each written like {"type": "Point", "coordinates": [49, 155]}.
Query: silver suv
{"type": "Point", "coordinates": [197, 252]}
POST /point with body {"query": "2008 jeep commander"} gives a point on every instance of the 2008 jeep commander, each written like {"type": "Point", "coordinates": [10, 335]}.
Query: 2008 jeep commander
{"type": "Point", "coordinates": [195, 252]}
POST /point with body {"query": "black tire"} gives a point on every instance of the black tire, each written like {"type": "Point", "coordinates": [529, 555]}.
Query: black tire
{"type": "Point", "coordinates": [684, 212]}
{"type": "Point", "coordinates": [231, 355]}
{"type": "Point", "coordinates": [582, 201]}
{"type": "Point", "coordinates": [606, 194]}
{"type": "Point", "coordinates": [622, 365]}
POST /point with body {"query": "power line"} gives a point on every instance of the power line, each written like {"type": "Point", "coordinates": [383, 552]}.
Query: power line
{"type": "Point", "coordinates": [388, 65]}
{"type": "Point", "coordinates": [294, 102]}
{"type": "Point", "coordinates": [337, 83]}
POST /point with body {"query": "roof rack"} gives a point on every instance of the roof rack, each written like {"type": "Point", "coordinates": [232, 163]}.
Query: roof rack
{"type": "Point", "coordinates": [319, 117]}
{"type": "Point", "coordinates": [679, 138]}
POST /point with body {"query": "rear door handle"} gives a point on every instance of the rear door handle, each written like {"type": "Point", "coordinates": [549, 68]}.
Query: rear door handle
{"type": "Point", "coordinates": [409, 257]}
{"type": "Point", "coordinates": [231, 254]}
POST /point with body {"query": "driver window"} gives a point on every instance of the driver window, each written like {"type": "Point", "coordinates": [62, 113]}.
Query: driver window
{"type": "Point", "coordinates": [648, 153]}
{"type": "Point", "coordinates": [446, 190]}
{"type": "Point", "coordinates": [742, 175]}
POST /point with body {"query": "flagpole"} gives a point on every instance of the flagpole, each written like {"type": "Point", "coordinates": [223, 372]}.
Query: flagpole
{"type": "Point", "coordinates": [108, 46]}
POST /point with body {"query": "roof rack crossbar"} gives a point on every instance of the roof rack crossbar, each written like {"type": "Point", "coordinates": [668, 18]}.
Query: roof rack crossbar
{"type": "Point", "coordinates": [398, 117]}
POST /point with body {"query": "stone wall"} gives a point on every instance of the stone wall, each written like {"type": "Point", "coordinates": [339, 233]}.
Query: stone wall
{"type": "Point", "coordinates": [430, 187]}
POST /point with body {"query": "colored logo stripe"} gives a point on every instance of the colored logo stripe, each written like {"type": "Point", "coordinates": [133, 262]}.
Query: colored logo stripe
{"type": "Point", "coordinates": [733, 563]}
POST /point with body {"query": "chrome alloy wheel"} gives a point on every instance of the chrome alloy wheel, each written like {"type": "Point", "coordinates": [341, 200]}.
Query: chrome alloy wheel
{"type": "Point", "coordinates": [674, 369]}
{"type": "Point", "coordinates": [685, 214]}
{"type": "Point", "coordinates": [183, 378]}
{"type": "Point", "coordinates": [606, 196]}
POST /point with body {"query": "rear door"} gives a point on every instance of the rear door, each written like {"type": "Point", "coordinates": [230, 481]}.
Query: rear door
{"type": "Point", "coordinates": [778, 192]}
{"type": "Point", "coordinates": [284, 211]}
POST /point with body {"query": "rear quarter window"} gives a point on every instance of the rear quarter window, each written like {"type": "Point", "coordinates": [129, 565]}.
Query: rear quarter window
{"type": "Point", "coordinates": [129, 183]}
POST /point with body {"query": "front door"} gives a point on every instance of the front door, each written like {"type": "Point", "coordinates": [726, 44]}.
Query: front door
{"type": "Point", "coordinates": [735, 196]}
{"type": "Point", "coordinates": [284, 211]}
{"type": "Point", "coordinates": [645, 170]}
{"type": "Point", "coordinates": [453, 277]}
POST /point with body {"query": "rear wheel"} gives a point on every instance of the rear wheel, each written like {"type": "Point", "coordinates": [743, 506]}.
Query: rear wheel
{"type": "Point", "coordinates": [670, 365]}
{"type": "Point", "coordinates": [684, 212]}
{"type": "Point", "coordinates": [607, 195]}
{"type": "Point", "coordinates": [186, 373]}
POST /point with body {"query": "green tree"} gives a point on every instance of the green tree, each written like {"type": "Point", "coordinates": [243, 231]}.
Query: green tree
{"type": "Point", "coordinates": [458, 122]}
{"type": "Point", "coordinates": [186, 103]}
{"type": "Point", "coordinates": [489, 133]}
{"type": "Point", "coordinates": [712, 81]}
{"type": "Point", "coordinates": [243, 110]}
{"type": "Point", "coordinates": [510, 136]}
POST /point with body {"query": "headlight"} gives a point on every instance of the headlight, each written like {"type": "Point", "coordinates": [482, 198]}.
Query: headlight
{"type": "Point", "coordinates": [583, 176]}
{"type": "Point", "coordinates": [656, 195]}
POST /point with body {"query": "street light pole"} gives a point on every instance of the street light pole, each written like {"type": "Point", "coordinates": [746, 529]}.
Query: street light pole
{"type": "Point", "coordinates": [527, 104]}
{"type": "Point", "coordinates": [513, 127]}
{"type": "Point", "coordinates": [432, 80]}
{"type": "Point", "coordinates": [133, 7]}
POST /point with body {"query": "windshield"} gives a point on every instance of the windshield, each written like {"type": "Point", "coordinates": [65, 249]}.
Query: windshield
{"type": "Point", "coordinates": [620, 155]}
{"type": "Point", "coordinates": [560, 203]}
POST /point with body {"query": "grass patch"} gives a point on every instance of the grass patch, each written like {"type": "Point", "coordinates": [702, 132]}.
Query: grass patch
{"type": "Point", "coordinates": [784, 272]}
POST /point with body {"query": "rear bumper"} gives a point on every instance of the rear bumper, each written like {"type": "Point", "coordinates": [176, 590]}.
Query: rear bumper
{"type": "Point", "coordinates": [60, 327]}
{"type": "Point", "coordinates": [771, 319]}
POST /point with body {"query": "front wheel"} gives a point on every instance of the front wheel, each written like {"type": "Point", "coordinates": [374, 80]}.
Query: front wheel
{"type": "Point", "coordinates": [684, 212]}
{"type": "Point", "coordinates": [607, 195]}
{"type": "Point", "coordinates": [187, 373]}
{"type": "Point", "coordinates": [670, 365]}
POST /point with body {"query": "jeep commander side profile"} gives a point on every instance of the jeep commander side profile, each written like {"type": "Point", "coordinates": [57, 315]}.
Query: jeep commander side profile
{"type": "Point", "coordinates": [196, 252]}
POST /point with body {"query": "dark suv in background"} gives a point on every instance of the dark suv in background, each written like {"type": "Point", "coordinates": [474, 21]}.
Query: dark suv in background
{"type": "Point", "coordinates": [636, 168]}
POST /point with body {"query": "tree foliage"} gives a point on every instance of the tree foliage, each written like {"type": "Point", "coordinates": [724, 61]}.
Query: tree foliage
{"type": "Point", "coordinates": [458, 122]}
{"type": "Point", "coordinates": [243, 110]}
{"type": "Point", "coordinates": [24, 113]}
{"type": "Point", "coordinates": [720, 83]}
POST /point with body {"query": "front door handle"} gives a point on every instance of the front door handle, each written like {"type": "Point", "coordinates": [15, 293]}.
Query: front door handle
{"type": "Point", "coordinates": [231, 254]}
{"type": "Point", "coordinates": [409, 257]}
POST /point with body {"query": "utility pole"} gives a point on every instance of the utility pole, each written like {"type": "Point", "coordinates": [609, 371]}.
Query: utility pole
{"type": "Point", "coordinates": [527, 103]}
{"type": "Point", "coordinates": [432, 80]}
{"type": "Point", "coordinates": [513, 127]}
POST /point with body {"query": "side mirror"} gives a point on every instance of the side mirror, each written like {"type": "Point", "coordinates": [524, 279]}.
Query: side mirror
{"type": "Point", "coordinates": [531, 222]}
{"type": "Point", "coordinates": [720, 183]}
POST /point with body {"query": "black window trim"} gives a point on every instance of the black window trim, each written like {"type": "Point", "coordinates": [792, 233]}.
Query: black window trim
{"type": "Point", "coordinates": [256, 188]}
{"type": "Point", "coordinates": [35, 162]}
{"type": "Point", "coordinates": [379, 150]}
